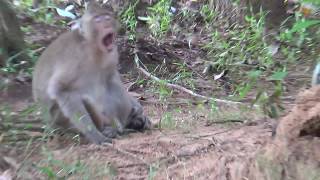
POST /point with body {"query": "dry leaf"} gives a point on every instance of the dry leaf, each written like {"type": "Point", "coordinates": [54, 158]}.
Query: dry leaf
{"type": "Point", "coordinates": [216, 77]}
{"type": "Point", "coordinates": [6, 175]}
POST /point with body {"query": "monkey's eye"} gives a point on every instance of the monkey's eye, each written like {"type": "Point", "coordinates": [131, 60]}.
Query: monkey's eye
{"type": "Point", "coordinates": [100, 18]}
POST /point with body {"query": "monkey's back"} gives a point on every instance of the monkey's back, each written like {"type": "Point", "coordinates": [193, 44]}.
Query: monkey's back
{"type": "Point", "coordinates": [60, 53]}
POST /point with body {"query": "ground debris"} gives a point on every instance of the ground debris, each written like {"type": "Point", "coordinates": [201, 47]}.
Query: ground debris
{"type": "Point", "coordinates": [294, 152]}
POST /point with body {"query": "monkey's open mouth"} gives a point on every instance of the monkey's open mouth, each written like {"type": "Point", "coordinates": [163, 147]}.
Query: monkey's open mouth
{"type": "Point", "coordinates": [108, 40]}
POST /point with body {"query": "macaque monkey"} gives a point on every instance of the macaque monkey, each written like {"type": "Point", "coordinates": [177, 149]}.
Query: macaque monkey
{"type": "Point", "coordinates": [77, 80]}
{"type": "Point", "coordinates": [11, 37]}
{"type": "Point", "coordinates": [316, 76]}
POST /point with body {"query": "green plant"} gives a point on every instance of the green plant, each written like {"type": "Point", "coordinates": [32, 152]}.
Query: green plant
{"type": "Point", "coordinates": [159, 18]}
{"type": "Point", "coordinates": [45, 13]}
{"type": "Point", "coordinates": [57, 169]}
{"type": "Point", "coordinates": [152, 171]}
{"type": "Point", "coordinates": [12, 66]}
{"type": "Point", "coordinates": [244, 88]}
{"type": "Point", "coordinates": [183, 75]}
{"type": "Point", "coordinates": [207, 13]}
{"type": "Point", "coordinates": [271, 103]}
{"type": "Point", "coordinates": [245, 45]}
{"type": "Point", "coordinates": [167, 121]}
{"type": "Point", "coordinates": [315, 2]}
{"type": "Point", "coordinates": [129, 20]}
{"type": "Point", "coordinates": [298, 33]}
{"type": "Point", "coordinates": [26, 3]}
{"type": "Point", "coordinates": [164, 92]}
{"type": "Point", "coordinates": [240, 45]}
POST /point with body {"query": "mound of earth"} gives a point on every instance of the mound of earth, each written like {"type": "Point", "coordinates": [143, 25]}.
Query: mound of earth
{"type": "Point", "coordinates": [294, 153]}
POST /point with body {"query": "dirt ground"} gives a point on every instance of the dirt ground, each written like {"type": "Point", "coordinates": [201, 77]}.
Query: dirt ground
{"type": "Point", "coordinates": [230, 143]}
{"type": "Point", "coordinates": [195, 151]}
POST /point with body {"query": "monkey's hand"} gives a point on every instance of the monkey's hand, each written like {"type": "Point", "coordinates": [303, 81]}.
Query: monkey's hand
{"type": "Point", "coordinates": [140, 123]}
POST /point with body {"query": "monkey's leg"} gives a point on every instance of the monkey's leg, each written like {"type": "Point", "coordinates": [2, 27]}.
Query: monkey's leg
{"type": "Point", "coordinates": [98, 119]}
{"type": "Point", "coordinates": [114, 129]}
{"type": "Point", "coordinates": [58, 120]}
{"type": "Point", "coordinates": [73, 108]}
{"type": "Point", "coordinates": [110, 132]}
{"type": "Point", "coordinates": [137, 120]}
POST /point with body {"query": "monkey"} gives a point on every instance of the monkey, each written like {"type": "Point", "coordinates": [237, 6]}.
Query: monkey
{"type": "Point", "coordinates": [316, 75]}
{"type": "Point", "coordinates": [11, 37]}
{"type": "Point", "coordinates": [76, 79]}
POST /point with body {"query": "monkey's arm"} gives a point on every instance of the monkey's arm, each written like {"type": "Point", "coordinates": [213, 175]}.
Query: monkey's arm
{"type": "Point", "coordinates": [96, 117]}
{"type": "Point", "coordinates": [72, 107]}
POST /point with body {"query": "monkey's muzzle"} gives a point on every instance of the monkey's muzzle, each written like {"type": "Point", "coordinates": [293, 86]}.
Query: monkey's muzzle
{"type": "Point", "coordinates": [108, 40]}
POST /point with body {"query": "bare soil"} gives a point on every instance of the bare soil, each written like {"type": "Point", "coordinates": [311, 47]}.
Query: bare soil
{"type": "Point", "coordinates": [194, 150]}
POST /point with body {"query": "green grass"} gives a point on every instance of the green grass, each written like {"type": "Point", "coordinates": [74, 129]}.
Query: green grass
{"type": "Point", "coordinates": [207, 13]}
{"type": "Point", "coordinates": [129, 20]}
{"type": "Point", "coordinates": [159, 18]}
{"type": "Point", "coordinates": [167, 121]}
{"type": "Point", "coordinates": [53, 168]}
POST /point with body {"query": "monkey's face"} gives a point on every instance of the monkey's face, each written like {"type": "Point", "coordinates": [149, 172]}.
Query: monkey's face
{"type": "Point", "coordinates": [99, 30]}
{"type": "Point", "coordinates": [105, 30]}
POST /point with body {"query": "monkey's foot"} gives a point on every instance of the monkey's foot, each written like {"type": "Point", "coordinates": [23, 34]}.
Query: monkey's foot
{"type": "Point", "coordinates": [110, 132]}
{"type": "Point", "coordinates": [140, 123]}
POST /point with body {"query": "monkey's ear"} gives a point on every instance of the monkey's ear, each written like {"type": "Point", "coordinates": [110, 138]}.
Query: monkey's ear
{"type": "Point", "coordinates": [81, 30]}
{"type": "Point", "coordinates": [75, 25]}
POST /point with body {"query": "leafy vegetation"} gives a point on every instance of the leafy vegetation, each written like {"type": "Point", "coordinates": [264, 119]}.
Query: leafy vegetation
{"type": "Point", "coordinates": [129, 20]}
{"type": "Point", "coordinates": [56, 169]}
{"type": "Point", "coordinates": [242, 51]}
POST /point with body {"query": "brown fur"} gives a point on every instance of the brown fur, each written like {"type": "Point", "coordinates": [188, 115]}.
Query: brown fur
{"type": "Point", "coordinates": [77, 79]}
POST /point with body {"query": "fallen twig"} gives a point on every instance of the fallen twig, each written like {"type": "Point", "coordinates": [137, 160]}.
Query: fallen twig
{"type": "Point", "coordinates": [22, 127]}
{"type": "Point", "coordinates": [32, 121]}
{"type": "Point", "coordinates": [38, 50]}
{"type": "Point", "coordinates": [175, 86]}
{"type": "Point", "coordinates": [225, 121]}
{"type": "Point", "coordinates": [13, 139]}
{"type": "Point", "coordinates": [213, 133]}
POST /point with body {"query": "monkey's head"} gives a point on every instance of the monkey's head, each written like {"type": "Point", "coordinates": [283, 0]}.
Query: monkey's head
{"type": "Point", "coordinates": [99, 27]}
